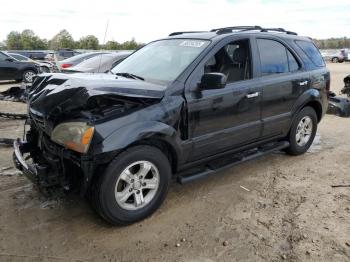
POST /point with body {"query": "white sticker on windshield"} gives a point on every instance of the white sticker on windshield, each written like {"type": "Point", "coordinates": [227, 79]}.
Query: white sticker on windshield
{"type": "Point", "coordinates": [192, 43]}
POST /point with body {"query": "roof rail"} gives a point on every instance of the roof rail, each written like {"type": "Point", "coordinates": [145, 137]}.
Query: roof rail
{"type": "Point", "coordinates": [278, 30]}
{"type": "Point", "coordinates": [226, 30]}
{"type": "Point", "coordinates": [185, 32]}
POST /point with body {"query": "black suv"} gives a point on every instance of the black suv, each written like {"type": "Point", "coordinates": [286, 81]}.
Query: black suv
{"type": "Point", "coordinates": [185, 106]}
{"type": "Point", "coordinates": [11, 69]}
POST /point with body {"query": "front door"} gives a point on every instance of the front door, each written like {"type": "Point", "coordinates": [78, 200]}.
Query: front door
{"type": "Point", "coordinates": [8, 69]}
{"type": "Point", "coordinates": [222, 119]}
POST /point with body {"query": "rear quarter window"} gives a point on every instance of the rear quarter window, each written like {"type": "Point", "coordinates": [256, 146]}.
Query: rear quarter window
{"type": "Point", "coordinates": [311, 52]}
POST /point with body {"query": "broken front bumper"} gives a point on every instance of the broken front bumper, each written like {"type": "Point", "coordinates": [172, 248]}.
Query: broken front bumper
{"type": "Point", "coordinates": [28, 170]}
{"type": "Point", "coordinates": [55, 168]}
{"type": "Point", "coordinates": [46, 173]}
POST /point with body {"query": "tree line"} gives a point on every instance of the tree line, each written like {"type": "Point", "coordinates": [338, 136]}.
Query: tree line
{"type": "Point", "coordinates": [28, 40]}
{"type": "Point", "coordinates": [333, 43]}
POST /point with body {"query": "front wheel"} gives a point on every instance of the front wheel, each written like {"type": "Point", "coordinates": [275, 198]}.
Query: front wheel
{"type": "Point", "coordinates": [28, 76]}
{"type": "Point", "coordinates": [302, 132]}
{"type": "Point", "coordinates": [133, 186]}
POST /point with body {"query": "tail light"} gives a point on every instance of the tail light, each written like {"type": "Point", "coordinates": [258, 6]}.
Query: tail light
{"type": "Point", "coordinates": [65, 65]}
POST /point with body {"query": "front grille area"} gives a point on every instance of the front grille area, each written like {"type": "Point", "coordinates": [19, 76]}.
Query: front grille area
{"type": "Point", "coordinates": [38, 121]}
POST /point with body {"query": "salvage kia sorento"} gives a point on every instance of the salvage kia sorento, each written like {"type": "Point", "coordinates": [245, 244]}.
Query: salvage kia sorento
{"type": "Point", "coordinates": [182, 107]}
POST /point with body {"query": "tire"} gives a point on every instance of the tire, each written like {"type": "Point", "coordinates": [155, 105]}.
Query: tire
{"type": "Point", "coordinates": [111, 184]}
{"type": "Point", "coordinates": [300, 141]}
{"type": "Point", "coordinates": [335, 60]}
{"type": "Point", "coordinates": [28, 75]}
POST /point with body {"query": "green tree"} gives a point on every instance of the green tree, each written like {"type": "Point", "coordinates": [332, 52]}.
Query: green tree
{"type": "Point", "coordinates": [2, 46]}
{"type": "Point", "coordinates": [13, 41]}
{"type": "Point", "coordinates": [89, 42]}
{"type": "Point", "coordinates": [62, 40]}
{"type": "Point", "coordinates": [27, 39]}
{"type": "Point", "coordinates": [112, 45]}
{"type": "Point", "coordinates": [333, 43]}
{"type": "Point", "coordinates": [130, 45]}
{"type": "Point", "coordinates": [30, 41]}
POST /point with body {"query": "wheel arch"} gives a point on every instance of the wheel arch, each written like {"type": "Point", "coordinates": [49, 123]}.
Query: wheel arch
{"type": "Point", "coordinates": [312, 98]}
{"type": "Point", "coordinates": [167, 148]}
{"type": "Point", "coordinates": [316, 105]}
{"type": "Point", "coordinates": [152, 133]}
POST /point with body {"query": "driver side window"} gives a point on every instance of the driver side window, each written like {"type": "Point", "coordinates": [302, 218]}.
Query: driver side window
{"type": "Point", "coordinates": [233, 60]}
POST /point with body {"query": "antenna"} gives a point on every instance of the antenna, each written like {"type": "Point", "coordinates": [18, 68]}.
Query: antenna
{"type": "Point", "coordinates": [104, 41]}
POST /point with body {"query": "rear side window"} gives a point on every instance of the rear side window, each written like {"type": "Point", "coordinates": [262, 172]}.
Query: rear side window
{"type": "Point", "coordinates": [273, 57]}
{"type": "Point", "coordinates": [312, 52]}
{"type": "Point", "coordinates": [293, 63]}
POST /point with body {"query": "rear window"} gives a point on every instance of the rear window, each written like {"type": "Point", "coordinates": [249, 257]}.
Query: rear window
{"type": "Point", "coordinates": [312, 52]}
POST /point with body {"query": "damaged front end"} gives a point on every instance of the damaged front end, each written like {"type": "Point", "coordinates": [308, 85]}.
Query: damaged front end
{"type": "Point", "coordinates": [67, 117]}
{"type": "Point", "coordinates": [47, 165]}
{"type": "Point", "coordinates": [346, 89]}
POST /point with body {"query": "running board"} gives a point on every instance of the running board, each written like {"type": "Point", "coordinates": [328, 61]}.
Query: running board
{"type": "Point", "coordinates": [230, 161]}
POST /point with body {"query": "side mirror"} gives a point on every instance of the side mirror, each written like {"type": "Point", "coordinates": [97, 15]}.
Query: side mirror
{"type": "Point", "coordinates": [213, 81]}
{"type": "Point", "coordinates": [9, 59]}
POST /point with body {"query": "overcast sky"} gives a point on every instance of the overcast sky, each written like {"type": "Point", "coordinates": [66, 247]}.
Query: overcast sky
{"type": "Point", "coordinates": [151, 19]}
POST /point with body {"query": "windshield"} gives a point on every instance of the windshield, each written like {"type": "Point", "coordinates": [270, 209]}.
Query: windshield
{"type": "Point", "coordinates": [162, 61]}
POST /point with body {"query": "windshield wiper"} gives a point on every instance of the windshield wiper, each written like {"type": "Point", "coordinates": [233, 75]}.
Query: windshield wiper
{"type": "Point", "coordinates": [128, 75]}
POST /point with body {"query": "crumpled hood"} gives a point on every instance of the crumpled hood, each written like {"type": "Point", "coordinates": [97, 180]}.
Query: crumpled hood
{"type": "Point", "coordinates": [58, 93]}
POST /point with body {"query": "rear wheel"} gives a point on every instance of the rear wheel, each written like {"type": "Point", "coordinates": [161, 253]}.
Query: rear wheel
{"type": "Point", "coordinates": [133, 186]}
{"type": "Point", "coordinates": [335, 59]}
{"type": "Point", "coordinates": [302, 132]}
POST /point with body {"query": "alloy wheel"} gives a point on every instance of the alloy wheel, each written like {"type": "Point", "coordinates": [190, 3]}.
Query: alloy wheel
{"type": "Point", "coordinates": [304, 131]}
{"type": "Point", "coordinates": [28, 76]}
{"type": "Point", "coordinates": [137, 185]}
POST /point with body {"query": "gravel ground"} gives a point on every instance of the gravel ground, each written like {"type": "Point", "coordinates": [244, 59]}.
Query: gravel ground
{"type": "Point", "coordinates": [276, 208]}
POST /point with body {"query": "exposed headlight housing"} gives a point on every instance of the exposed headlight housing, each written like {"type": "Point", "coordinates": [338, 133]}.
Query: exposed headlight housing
{"type": "Point", "coordinates": [76, 136]}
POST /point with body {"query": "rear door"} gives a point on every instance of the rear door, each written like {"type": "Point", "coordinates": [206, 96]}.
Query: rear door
{"type": "Point", "coordinates": [284, 79]}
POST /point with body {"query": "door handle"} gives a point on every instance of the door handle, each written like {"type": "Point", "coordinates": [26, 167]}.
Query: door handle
{"type": "Point", "coordinates": [303, 83]}
{"type": "Point", "coordinates": [252, 95]}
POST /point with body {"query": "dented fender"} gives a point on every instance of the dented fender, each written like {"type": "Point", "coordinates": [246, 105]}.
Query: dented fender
{"type": "Point", "coordinates": [130, 134]}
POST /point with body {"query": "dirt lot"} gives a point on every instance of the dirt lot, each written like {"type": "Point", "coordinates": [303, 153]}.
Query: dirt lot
{"type": "Point", "coordinates": [290, 212]}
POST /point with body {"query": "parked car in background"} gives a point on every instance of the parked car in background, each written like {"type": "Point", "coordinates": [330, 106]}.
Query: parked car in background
{"type": "Point", "coordinates": [45, 67]}
{"type": "Point", "coordinates": [34, 55]}
{"type": "Point", "coordinates": [74, 60]}
{"type": "Point", "coordinates": [98, 64]}
{"type": "Point", "coordinates": [339, 57]}
{"type": "Point", "coordinates": [12, 69]}
{"type": "Point", "coordinates": [62, 54]}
